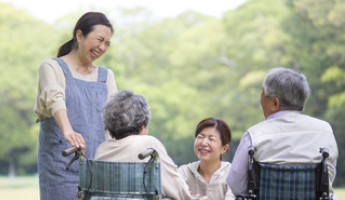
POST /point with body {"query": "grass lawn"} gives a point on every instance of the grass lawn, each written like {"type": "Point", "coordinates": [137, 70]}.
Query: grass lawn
{"type": "Point", "coordinates": [19, 188]}
{"type": "Point", "coordinates": [340, 193]}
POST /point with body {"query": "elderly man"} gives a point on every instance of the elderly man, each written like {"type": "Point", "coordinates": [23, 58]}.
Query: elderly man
{"type": "Point", "coordinates": [286, 137]}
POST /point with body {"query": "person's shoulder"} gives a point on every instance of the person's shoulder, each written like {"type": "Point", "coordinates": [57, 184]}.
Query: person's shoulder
{"type": "Point", "coordinates": [107, 143]}
{"type": "Point", "coordinates": [190, 165]}
{"type": "Point", "coordinates": [190, 168]}
{"type": "Point", "coordinates": [314, 118]}
{"type": "Point", "coordinates": [49, 63]}
{"type": "Point", "coordinates": [182, 168]}
{"type": "Point", "coordinates": [226, 165]}
{"type": "Point", "coordinates": [110, 71]}
{"type": "Point", "coordinates": [224, 169]}
{"type": "Point", "coordinates": [322, 124]}
{"type": "Point", "coordinates": [149, 137]}
{"type": "Point", "coordinates": [151, 140]}
{"type": "Point", "coordinates": [101, 149]}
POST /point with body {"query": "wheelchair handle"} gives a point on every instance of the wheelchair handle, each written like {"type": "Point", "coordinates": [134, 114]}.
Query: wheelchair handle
{"type": "Point", "coordinates": [324, 152]}
{"type": "Point", "coordinates": [146, 153]}
{"type": "Point", "coordinates": [251, 151]}
{"type": "Point", "coordinates": [69, 151]}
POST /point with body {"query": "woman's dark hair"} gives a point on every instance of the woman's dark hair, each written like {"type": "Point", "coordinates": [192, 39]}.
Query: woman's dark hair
{"type": "Point", "coordinates": [86, 24]}
{"type": "Point", "coordinates": [220, 125]}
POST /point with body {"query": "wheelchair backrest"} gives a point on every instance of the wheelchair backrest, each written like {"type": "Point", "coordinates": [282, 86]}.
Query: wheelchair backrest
{"type": "Point", "coordinates": [283, 182]}
{"type": "Point", "coordinates": [118, 180]}
{"type": "Point", "coordinates": [287, 182]}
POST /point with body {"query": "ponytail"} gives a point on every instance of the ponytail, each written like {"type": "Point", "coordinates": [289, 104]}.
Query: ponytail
{"type": "Point", "coordinates": [66, 48]}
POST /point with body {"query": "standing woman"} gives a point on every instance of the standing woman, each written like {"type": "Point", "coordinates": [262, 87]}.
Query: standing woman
{"type": "Point", "coordinates": [207, 177]}
{"type": "Point", "coordinates": [71, 95]}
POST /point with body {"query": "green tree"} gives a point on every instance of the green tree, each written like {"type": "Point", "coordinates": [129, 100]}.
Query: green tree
{"type": "Point", "coordinates": [324, 60]}
{"type": "Point", "coordinates": [21, 38]}
{"type": "Point", "coordinates": [189, 67]}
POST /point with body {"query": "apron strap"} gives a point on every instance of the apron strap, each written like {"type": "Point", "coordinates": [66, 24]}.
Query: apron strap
{"type": "Point", "coordinates": [65, 68]}
{"type": "Point", "coordinates": [102, 74]}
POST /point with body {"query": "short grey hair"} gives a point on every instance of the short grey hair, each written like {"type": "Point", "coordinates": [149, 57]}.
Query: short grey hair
{"type": "Point", "coordinates": [125, 114]}
{"type": "Point", "coordinates": [290, 87]}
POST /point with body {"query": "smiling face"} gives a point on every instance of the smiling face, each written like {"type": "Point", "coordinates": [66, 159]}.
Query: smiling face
{"type": "Point", "coordinates": [94, 45]}
{"type": "Point", "coordinates": [208, 145]}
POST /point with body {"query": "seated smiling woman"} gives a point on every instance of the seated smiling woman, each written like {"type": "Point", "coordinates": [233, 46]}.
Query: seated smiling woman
{"type": "Point", "coordinates": [207, 177]}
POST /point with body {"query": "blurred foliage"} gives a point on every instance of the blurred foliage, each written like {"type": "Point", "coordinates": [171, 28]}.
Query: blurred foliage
{"type": "Point", "coordinates": [189, 67]}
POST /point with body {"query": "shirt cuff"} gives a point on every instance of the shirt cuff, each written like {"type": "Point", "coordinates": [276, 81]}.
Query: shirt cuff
{"type": "Point", "coordinates": [58, 106]}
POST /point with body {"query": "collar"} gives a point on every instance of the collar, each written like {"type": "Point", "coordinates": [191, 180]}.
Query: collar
{"type": "Point", "coordinates": [279, 113]}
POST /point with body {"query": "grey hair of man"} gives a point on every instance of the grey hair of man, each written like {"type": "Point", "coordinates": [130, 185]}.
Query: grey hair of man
{"type": "Point", "coordinates": [289, 86]}
{"type": "Point", "coordinates": [126, 114]}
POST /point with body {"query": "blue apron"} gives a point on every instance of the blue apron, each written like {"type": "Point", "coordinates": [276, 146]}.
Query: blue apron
{"type": "Point", "coordinates": [85, 102]}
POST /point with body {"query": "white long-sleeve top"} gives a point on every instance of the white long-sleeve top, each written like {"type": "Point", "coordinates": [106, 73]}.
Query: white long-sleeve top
{"type": "Point", "coordinates": [216, 189]}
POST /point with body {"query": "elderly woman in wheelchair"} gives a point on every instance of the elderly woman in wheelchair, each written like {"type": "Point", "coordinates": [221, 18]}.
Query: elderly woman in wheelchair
{"type": "Point", "coordinates": [126, 117]}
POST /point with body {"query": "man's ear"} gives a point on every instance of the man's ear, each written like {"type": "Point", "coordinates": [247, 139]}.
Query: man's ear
{"type": "Point", "coordinates": [276, 104]}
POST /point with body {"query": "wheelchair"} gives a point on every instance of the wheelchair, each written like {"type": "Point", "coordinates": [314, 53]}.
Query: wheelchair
{"type": "Point", "coordinates": [103, 180]}
{"type": "Point", "coordinates": [281, 182]}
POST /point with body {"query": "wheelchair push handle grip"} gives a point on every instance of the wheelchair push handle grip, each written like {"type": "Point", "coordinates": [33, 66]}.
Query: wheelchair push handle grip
{"type": "Point", "coordinates": [251, 151]}
{"type": "Point", "coordinates": [146, 153]}
{"type": "Point", "coordinates": [324, 152]}
{"type": "Point", "coordinates": [69, 151]}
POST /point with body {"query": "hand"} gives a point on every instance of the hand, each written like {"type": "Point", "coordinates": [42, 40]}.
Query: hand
{"type": "Point", "coordinates": [198, 196]}
{"type": "Point", "coordinates": [75, 139]}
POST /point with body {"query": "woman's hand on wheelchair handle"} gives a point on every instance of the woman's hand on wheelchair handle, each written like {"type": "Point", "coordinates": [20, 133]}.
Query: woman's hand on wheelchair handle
{"type": "Point", "coordinates": [75, 139]}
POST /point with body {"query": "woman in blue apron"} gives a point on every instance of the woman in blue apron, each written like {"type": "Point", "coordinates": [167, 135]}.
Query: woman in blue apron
{"type": "Point", "coordinates": [70, 99]}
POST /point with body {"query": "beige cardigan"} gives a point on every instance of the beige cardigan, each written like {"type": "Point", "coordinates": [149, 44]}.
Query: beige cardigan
{"type": "Point", "coordinates": [127, 150]}
{"type": "Point", "coordinates": [216, 189]}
